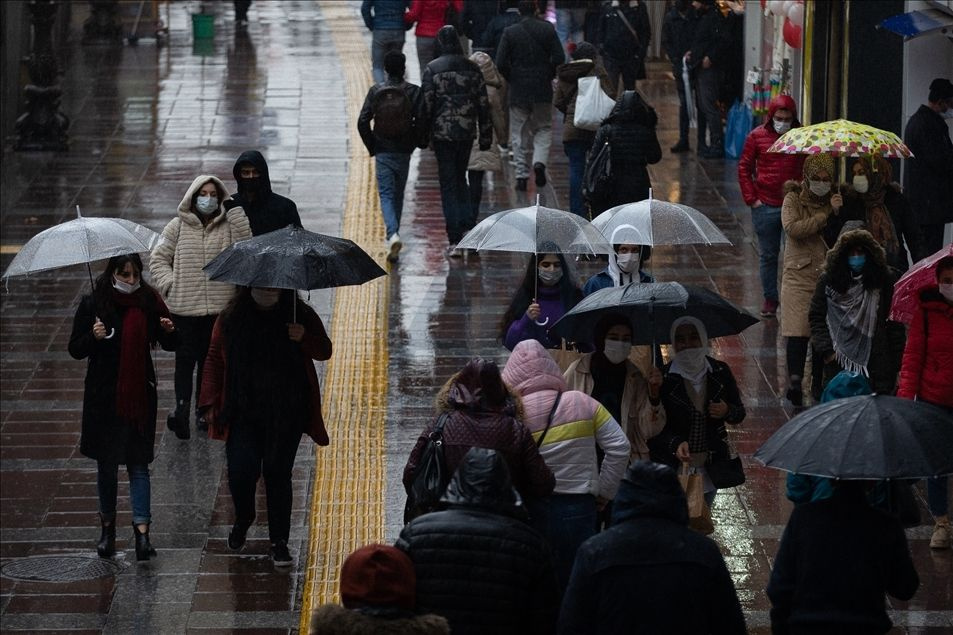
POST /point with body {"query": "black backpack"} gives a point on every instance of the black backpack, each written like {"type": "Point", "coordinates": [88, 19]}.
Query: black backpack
{"type": "Point", "coordinates": [393, 113]}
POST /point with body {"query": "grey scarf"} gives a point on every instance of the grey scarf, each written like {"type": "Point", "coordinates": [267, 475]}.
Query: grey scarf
{"type": "Point", "coordinates": [852, 320]}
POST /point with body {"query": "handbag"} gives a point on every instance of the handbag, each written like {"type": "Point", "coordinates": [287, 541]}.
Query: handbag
{"type": "Point", "coordinates": [593, 105]}
{"type": "Point", "coordinates": [737, 129]}
{"type": "Point", "coordinates": [699, 516]}
{"type": "Point", "coordinates": [726, 471]}
{"type": "Point", "coordinates": [597, 178]}
{"type": "Point", "coordinates": [565, 355]}
{"type": "Point", "coordinates": [430, 478]}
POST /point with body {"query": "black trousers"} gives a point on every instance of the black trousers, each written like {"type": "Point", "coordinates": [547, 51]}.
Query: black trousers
{"type": "Point", "coordinates": [252, 454]}
{"type": "Point", "coordinates": [195, 334]}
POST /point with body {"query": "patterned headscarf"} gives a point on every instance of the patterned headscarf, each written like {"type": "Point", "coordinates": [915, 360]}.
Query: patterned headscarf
{"type": "Point", "coordinates": [815, 163]}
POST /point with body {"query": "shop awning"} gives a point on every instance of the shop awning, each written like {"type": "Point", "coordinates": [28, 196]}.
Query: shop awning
{"type": "Point", "coordinates": [917, 23]}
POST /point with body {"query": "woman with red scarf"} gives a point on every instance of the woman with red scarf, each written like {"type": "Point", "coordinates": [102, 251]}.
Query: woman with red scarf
{"type": "Point", "coordinates": [114, 328]}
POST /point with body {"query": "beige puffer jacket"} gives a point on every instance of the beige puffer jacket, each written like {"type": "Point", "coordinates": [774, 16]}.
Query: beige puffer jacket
{"type": "Point", "coordinates": [186, 246]}
{"type": "Point", "coordinates": [489, 160]}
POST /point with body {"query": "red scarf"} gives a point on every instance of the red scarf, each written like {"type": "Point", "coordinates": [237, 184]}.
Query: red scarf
{"type": "Point", "coordinates": [132, 395]}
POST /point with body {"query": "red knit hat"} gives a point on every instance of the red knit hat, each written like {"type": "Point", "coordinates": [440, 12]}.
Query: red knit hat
{"type": "Point", "coordinates": [378, 575]}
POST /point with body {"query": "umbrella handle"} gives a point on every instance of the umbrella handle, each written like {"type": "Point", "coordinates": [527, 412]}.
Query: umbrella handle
{"type": "Point", "coordinates": [543, 323]}
{"type": "Point", "coordinates": [111, 333]}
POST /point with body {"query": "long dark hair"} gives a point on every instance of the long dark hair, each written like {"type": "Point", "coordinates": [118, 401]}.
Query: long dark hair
{"type": "Point", "coordinates": [103, 287]}
{"type": "Point", "coordinates": [242, 302]}
{"type": "Point", "coordinates": [569, 291]}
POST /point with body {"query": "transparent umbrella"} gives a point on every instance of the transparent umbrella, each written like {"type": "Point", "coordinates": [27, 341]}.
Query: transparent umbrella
{"type": "Point", "coordinates": [654, 222]}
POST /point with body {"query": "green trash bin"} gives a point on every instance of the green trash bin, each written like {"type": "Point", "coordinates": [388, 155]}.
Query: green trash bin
{"type": "Point", "coordinates": [203, 26]}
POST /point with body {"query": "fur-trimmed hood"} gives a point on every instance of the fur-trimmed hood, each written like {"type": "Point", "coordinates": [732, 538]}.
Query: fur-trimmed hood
{"type": "Point", "coordinates": [876, 272]}
{"type": "Point", "coordinates": [442, 402]}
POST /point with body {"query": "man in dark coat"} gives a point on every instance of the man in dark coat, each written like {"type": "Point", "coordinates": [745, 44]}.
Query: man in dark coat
{"type": "Point", "coordinates": [678, 29]}
{"type": "Point", "coordinates": [708, 58]}
{"type": "Point", "coordinates": [509, 16]}
{"type": "Point", "coordinates": [454, 110]}
{"type": "Point", "coordinates": [623, 39]}
{"type": "Point", "coordinates": [266, 211]}
{"type": "Point", "coordinates": [928, 181]}
{"type": "Point", "coordinates": [475, 21]}
{"type": "Point", "coordinates": [391, 155]}
{"type": "Point", "coordinates": [836, 560]}
{"type": "Point", "coordinates": [650, 573]}
{"type": "Point", "coordinates": [478, 563]}
{"type": "Point", "coordinates": [527, 57]}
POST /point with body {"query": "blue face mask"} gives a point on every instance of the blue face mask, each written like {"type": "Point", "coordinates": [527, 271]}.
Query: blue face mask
{"type": "Point", "coordinates": [856, 263]}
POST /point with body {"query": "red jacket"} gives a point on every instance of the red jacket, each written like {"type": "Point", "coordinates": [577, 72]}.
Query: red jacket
{"type": "Point", "coordinates": [762, 174]}
{"type": "Point", "coordinates": [927, 370]}
{"type": "Point", "coordinates": [429, 15]}
{"type": "Point", "coordinates": [315, 344]}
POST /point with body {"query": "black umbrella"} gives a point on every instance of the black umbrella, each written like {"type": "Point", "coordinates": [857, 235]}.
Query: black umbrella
{"type": "Point", "coordinates": [294, 258]}
{"type": "Point", "coordinates": [651, 308]}
{"type": "Point", "coordinates": [868, 437]}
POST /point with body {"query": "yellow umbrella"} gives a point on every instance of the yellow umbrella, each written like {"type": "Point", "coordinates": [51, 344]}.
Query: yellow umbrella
{"type": "Point", "coordinates": [843, 138]}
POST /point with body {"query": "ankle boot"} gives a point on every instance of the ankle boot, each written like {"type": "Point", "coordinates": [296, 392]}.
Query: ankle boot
{"type": "Point", "coordinates": [144, 549]}
{"type": "Point", "coordinates": [106, 547]}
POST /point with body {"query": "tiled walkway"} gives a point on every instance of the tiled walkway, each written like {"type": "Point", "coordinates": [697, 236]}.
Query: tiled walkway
{"type": "Point", "coordinates": [145, 122]}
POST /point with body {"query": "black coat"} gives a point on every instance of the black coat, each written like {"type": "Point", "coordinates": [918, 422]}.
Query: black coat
{"type": "Point", "coordinates": [267, 211]}
{"type": "Point", "coordinates": [527, 58]}
{"type": "Point", "coordinates": [494, 30]}
{"type": "Point", "coordinates": [928, 180]}
{"type": "Point", "coordinates": [721, 386]}
{"type": "Point", "coordinates": [677, 34]}
{"type": "Point", "coordinates": [649, 573]}
{"type": "Point", "coordinates": [374, 143]}
{"type": "Point", "coordinates": [104, 437]}
{"type": "Point", "coordinates": [616, 41]}
{"type": "Point", "coordinates": [475, 20]}
{"type": "Point", "coordinates": [630, 130]}
{"type": "Point", "coordinates": [836, 560]}
{"type": "Point", "coordinates": [477, 564]}
{"type": "Point", "coordinates": [709, 39]}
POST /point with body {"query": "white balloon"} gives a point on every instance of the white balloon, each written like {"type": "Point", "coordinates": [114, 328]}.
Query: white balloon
{"type": "Point", "coordinates": [787, 6]}
{"type": "Point", "coordinates": [776, 7]}
{"type": "Point", "coordinates": [796, 14]}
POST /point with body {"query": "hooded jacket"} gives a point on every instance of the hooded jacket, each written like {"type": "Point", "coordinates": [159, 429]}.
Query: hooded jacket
{"type": "Point", "coordinates": [454, 105]}
{"type": "Point", "coordinates": [477, 563]}
{"type": "Point", "coordinates": [889, 338]}
{"type": "Point", "coordinates": [567, 89]}
{"type": "Point", "coordinates": [579, 424]}
{"type": "Point", "coordinates": [527, 57]}
{"type": "Point", "coordinates": [762, 174]}
{"type": "Point", "coordinates": [927, 370]}
{"type": "Point", "coordinates": [268, 211]}
{"type": "Point", "coordinates": [489, 160]}
{"type": "Point", "coordinates": [649, 573]}
{"type": "Point", "coordinates": [470, 426]}
{"type": "Point", "coordinates": [187, 246]}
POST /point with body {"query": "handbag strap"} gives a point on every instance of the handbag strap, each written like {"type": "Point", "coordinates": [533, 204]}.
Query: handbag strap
{"type": "Point", "coordinates": [618, 12]}
{"type": "Point", "coordinates": [549, 420]}
{"type": "Point", "coordinates": [436, 435]}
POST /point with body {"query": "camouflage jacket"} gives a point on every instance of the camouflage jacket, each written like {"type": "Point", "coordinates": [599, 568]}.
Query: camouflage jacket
{"type": "Point", "coordinates": [455, 105]}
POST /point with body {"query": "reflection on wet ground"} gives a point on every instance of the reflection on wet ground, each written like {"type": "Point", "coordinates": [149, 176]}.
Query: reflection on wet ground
{"type": "Point", "coordinates": [145, 122]}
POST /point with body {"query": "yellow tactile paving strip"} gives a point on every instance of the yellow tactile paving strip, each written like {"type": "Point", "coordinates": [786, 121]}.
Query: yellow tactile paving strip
{"type": "Point", "coordinates": [347, 502]}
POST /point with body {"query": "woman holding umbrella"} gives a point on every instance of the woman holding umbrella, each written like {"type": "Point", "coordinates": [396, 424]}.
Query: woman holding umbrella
{"type": "Point", "coordinates": [198, 233]}
{"type": "Point", "coordinates": [260, 393]}
{"type": "Point", "coordinates": [548, 290]}
{"type": "Point", "coordinates": [700, 396]}
{"type": "Point", "coordinates": [114, 328]}
{"type": "Point", "coordinates": [926, 374]}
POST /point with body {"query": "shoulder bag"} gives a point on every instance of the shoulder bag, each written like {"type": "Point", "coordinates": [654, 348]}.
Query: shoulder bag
{"type": "Point", "coordinates": [430, 478]}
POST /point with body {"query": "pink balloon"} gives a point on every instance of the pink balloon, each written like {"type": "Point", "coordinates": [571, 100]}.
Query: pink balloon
{"type": "Point", "coordinates": [792, 34]}
{"type": "Point", "coordinates": [796, 14]}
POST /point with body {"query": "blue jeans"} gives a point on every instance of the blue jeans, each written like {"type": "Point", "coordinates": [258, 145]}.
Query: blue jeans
{"type": "Point", "coordinates": [576, 151]}
{"type": "Point", "coordinates": [383, 41]}
{"type": "Point", "coordinates": [767, 225]}
{"type": "Point", "coordinates": [392, 169]}
{"type": "Point", "coordinates": [140, 491]}
{"type": "Point", "coordinates": [452, 160]}
{"type": "Point", "coordinates": [570, 24]}
{"type": "Point", "coordinates": [566, 521]}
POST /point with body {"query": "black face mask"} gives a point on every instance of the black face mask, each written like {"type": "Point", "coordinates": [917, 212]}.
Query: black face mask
{"type": "Point", "coordinates": [251, 185]}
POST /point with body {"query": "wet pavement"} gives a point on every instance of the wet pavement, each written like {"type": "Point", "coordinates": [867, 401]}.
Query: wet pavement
{"type": "Point", "coordinates": [145, 121]}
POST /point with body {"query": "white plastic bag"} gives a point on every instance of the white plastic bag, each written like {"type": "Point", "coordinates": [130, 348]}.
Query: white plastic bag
{"type": "Point", "coordinates": [592, 104]}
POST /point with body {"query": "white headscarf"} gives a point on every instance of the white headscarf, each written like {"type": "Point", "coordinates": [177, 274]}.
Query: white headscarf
{"type": "Point", "coordinates": [691, 363]}
{"type": "Point", "coordinates": [619, 277]}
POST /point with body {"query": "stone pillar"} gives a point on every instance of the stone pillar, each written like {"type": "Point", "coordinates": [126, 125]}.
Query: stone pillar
{"type": "Point", "coordinates": [42, 126]}
{"type": "Point", "coordinates": [103, 26]}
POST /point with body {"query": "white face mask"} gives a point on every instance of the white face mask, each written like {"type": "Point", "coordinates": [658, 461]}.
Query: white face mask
{"type": "Point", "coordinates": [265, 298]}
{"type": "Point", "coordinates": [781, 126]}
{"type": "Point", "coordinates": [946, 290]}
{"type": "Point", "coordinates": [947, 114]}
{"type": "Point", "coordinates": [692, 359]}
{"type": "Point", "coordinates": [616, 351]}
{"type": "Point", "coordinates": [861, 184]}
{"type": "Point", "coordinates": [628, 263]}
{"type": "Point", "coordinates": [819, 188]}
{"type": "Point", "coordinates": [206, 204]}
{"type": "Point", "coordinates": [550, 277]}
{"type": "Point", "coordinates": [125, 287]}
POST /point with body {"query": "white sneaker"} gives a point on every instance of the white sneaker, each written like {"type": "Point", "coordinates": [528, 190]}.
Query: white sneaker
{"type": "Point", "coordinates": [394, 245]}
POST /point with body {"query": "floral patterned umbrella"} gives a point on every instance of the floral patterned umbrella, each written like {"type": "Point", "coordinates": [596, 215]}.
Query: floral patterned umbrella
{"type": "Point", "coordinates": [841, 138]}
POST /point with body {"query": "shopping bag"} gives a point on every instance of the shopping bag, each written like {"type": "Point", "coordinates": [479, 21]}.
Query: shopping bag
{"type": "Point", "coordinates": [565, 355]}
{"type": "Point", "coordinates": [737, 129]}
{"type": "Point", "coordinates": [699, 516]}
{"type": "Point", "coordinates": [592, 104]}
